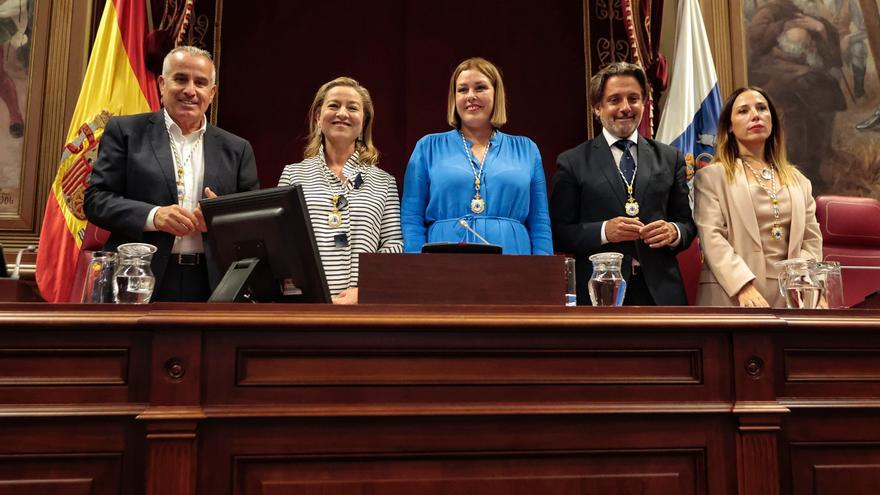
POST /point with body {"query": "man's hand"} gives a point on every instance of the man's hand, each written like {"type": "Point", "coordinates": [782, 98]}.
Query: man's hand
{"type": "Point", "coordinates": [659, 233]}
{"type": "Point", "coordinates": [175, 220]}
{"type": "Point", "coordinates": [749, 297]}
{"type": "Point", "coordinates": [348, 296]}
{"type": "Point", "coordinates": [621, 229]}
{"type": "Point", "coordinates": [203, 226]}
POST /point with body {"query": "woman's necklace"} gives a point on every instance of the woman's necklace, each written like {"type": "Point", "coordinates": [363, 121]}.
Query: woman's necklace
{"type": "Point", "coordinates": [478, 204]}
{"type": "Point", "coordinates": [337, 198]}
{"type": "Point", "coordinates": [769, 175]}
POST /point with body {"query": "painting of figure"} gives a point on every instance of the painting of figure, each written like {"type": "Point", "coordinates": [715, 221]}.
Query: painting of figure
{"type": "Point", "coordinates": [814, 58]}
{"type": "Point", "coordinates": [15, 30]}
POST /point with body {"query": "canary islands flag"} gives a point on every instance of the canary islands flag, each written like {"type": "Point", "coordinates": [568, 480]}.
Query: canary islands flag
{"type": "Point", "coordinates": [116, 82]}
{"type": "Point", "coordinates": [690, 116]}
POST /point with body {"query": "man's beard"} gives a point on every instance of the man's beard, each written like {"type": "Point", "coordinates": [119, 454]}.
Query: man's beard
{"type": "Point", "coordinates": [813, 59]}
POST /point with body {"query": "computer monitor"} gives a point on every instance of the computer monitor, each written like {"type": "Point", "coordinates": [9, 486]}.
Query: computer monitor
{"type": "Point", "coordinates": [264, 243]}
{"type": "Point", "coordinates": [460, 248]}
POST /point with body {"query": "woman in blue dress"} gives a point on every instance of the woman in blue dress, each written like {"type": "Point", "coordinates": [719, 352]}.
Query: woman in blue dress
{"type": "Point", "coordinates": [492, 180]}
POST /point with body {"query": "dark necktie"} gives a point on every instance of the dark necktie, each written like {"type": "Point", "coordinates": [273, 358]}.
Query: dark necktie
{"type": "Point", "coordinates": [627, 164]}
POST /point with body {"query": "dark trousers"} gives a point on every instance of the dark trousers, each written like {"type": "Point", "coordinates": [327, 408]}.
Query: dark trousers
{"type": "Point", "coordinates": [637, 293]}
{"type": "Point", "coordinates": [184, 282]}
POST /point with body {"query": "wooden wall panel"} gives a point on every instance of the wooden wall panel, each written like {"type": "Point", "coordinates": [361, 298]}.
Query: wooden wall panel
{"type": "Point", "coordinates": [68, 455]}
{"type": "Point", "coordinates": [74, 486]}
{"type": "Point", "coordinates": [82, 474]}
{"type": "Point", "coordinates": [648, 473]}
{"type": "Point", "coordinates": [291, 367]}
{"type": "Point", "coordinates": [392, 367]}
{"type": "Point", "coordinates": [569, 454]}
{"type": "Point", "coordinates": [816, 367]}
{"type": "Point", "coordinates": [72, 367]}
{"type": "Point", "coordinates": [836, 468]}
{"type": "Point", "coordinates": [60, 367]}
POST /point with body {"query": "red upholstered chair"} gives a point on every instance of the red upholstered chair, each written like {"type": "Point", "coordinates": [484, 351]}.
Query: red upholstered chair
{"type": "Point", "coordinates": [851, 236]}
{"type": "Point", "coordinates": [690, 261]}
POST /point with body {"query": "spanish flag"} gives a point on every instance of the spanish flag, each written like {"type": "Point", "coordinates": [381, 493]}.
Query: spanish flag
{"type": "Point", "coordinates": [117, 82]}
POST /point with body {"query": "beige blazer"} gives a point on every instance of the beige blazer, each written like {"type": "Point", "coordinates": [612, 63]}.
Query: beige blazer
{"type": "Point", "coordinates": [730, 240]}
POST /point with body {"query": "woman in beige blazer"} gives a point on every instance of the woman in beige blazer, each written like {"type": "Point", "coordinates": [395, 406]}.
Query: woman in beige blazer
{"type": "Point", "coordinates": [752, 207]}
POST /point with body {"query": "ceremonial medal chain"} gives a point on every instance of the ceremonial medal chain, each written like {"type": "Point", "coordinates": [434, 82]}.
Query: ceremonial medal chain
{"type": "Point", "coordinates": [337, 199]}
{"type": "Point", "coordinates": [632, 206]}
{"type": "Point", "coordinates": [478, 204]}
{"type": "Point", "coordinates": [181, 165]}
{"type": "Point", "coordinates": [769, 175]}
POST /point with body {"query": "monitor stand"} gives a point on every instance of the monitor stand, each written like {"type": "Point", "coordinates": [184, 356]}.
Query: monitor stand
{"type": "Point", "coordinates": [239, 284]}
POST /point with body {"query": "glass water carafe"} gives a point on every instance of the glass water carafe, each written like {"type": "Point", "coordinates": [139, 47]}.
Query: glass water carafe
{"type": "Point", "coordinates": [607, 286]}
{"type": "Point", "coordinates": [828, 274]}
{"type": "Point", "coordinates": [98, 285]}
{"type": "Point", "coordinates": [134, 278]}
{"type": "Point", "coordinates": [799, 283]}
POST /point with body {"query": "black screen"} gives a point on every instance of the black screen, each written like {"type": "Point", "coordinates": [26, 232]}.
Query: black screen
{"type": "Point", "coordinates": [273, 226]}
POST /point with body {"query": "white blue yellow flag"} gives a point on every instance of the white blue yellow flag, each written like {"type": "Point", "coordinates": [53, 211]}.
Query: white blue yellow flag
{"type": "Point", "coordinates": [689, 120]}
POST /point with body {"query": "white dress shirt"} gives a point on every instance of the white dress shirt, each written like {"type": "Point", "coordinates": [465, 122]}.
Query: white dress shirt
{"type": "Point", "coordinates": [193, 178]}
{"type": "Point", "coordinates": [617, 154]}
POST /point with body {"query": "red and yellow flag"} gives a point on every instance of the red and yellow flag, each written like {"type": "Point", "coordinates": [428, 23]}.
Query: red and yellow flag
{"type": "Point", "coordinates": [117, 82]}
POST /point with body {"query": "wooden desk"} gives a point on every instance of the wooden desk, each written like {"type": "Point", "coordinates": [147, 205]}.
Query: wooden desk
{"type": "Point", "coordinates": [222, 399]}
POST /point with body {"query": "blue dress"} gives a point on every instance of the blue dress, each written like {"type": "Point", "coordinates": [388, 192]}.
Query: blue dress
{"type": "Point", "coordinates": [439, 185]}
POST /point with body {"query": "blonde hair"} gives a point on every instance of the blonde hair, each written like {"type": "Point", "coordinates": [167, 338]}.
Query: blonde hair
{"type": "Point", "coordinates": [488, 69]}
{"type": "Point", "coordinates": [368, 154]}
{"type": "Point", "coordinates": [727, 148]}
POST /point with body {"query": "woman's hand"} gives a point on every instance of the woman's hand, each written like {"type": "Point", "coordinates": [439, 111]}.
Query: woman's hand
{"type": "Point", "coordinates": [749, 297]}
{"type": "Point", "coordinates": [348, 296]}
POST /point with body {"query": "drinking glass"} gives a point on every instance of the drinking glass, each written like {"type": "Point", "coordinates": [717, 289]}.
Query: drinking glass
{"type": "Point", "coordinates": [570, 282]}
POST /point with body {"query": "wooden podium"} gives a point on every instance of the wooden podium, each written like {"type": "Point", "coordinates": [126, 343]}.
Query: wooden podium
{"type": "Point", "coordinates": [15, 290]}
{"type": "Point", "coordinates": [461, 279]}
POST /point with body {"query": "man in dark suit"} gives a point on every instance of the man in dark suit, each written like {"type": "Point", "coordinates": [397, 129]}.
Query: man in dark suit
{"type": "Point", "coordinates": [620, 192]}
{"type": "Point", "coordinates": [153, 168]}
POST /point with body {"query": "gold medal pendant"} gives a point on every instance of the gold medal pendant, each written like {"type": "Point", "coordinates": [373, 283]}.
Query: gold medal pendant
{"type": "Point", "coordinates": [632, 207]}
{"type": "Point", "coordinates": [334, 218]}
{"type": "Point", "coordinates": [478, 204]}
{"type": "Point", "coordinates": [776, 233]}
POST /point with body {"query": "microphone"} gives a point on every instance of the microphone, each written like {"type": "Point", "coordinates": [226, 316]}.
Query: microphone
{"type": "Point", "coordinates": [463, 223]}
{"type": "Point", "coordinates": [358, 181]}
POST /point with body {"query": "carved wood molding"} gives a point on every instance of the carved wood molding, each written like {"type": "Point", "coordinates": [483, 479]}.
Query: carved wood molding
{"type": "Point", "coordinates": [587, 64]}
{"type": "Point", "coordinates": [218, 22]}
{"type": "Point", "coordinates": [433, 410]}
{"type": "Point", "coordinates": [172, 454]}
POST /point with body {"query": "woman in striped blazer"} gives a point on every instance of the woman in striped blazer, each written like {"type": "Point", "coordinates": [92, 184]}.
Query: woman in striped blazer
{"type": "Point", "coordinates": [353, 204]}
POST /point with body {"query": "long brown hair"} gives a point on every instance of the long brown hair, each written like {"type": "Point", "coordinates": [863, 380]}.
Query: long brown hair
{"type": "Point", "coordinates": [367, 152]}
{"type": "Point", "coordinates": [727, 148]}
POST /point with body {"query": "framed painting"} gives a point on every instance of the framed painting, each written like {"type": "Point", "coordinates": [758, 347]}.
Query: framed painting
{"type": "Point", "coordinates": [818, 61]}
{"type": "Point", "coordinates": [42, 46]}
